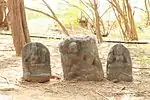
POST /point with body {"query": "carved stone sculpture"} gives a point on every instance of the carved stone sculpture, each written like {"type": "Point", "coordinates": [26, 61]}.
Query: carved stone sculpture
{"type": "Point", "coordinates": [80, 60]}
{"type": "Point", "coordinates": [119, 64]}
{"type": "Point", "coordinates": [36, 62]}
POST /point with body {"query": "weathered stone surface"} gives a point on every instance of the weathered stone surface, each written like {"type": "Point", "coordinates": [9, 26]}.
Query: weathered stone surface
{"type": "Point", "coordinates": [119, 64]}
{"type": "Point", "coordinates": [36, 62]}
{"type": "Point", "coordinates": [80, 60]}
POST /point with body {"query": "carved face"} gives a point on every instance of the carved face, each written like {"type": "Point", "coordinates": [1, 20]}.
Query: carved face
{"type": "Point", "coordinates": [119, 53]}
{"type": "Point", "coordinates": [73, 47]}
{"type": "Point", "coordinates": [35, 55]}
{"type": "Point", "coordinates": [118, 50]}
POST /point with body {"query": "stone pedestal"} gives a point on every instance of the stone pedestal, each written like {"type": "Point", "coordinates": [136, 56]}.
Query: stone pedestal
{"type": "Point", "coordinates": [80, 60]}
{"type": "Point", "coordinates": [36, 63]}
{"type": "Point", "coordinates": [119, 64]}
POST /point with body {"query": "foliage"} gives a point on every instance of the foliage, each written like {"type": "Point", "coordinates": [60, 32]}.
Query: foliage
{"type": "Point", "coordinates": [51, 14]}
{"type": "Point", "coordinates": [69, 16]}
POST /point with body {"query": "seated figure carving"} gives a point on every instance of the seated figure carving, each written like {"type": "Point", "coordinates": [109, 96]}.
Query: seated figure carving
{"type": "Point", "coordinates": [119, 65]}
{"type": "Point", "coordinates": [36, 62]}
{"type": "Point", "coordinates": [80, 60]}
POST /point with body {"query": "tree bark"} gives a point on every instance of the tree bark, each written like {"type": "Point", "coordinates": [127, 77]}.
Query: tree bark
{"type": "Point", "coordinates": [18, 24]}
{"type": "Point", "coordinates": [147, 6]}
{"type": "Point", "coordinates": [2, 12]}
{"type": "Point", "coordinates": [97, 21]}
{"type": "Point", "coordinates": [133, 34]}
{"type": "Point", "coordinates": [127, 18]}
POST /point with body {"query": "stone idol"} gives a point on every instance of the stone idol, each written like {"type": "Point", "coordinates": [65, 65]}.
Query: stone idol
{"type": "Point", "coordinates": [36, 62]}
{"type": "Point", "coordinates": [80, 60]}
{"type": "Point", "coordinates": [119, 64]}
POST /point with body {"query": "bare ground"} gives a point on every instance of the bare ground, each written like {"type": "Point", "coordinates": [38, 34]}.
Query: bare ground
{"type": "Point", "coordinates": [12, 87]}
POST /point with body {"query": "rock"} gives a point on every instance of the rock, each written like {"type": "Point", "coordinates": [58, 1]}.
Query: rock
{"type": "Point", "coordinates": [36, 62]}
{"type": "Point", "coordinates": [119, 64]}
{"type": "Point", "coordinates": [80, 60]}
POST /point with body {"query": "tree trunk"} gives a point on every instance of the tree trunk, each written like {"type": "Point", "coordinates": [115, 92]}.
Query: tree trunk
{"type": "Point", "coordinates": [1, 15]}
{"type": "Point", "coordinates": [133, 34]}
{"type": "Point", "coordinates": [97, 21]}
{"type": "Point", "coordinates": [127, 18]}
{"type": "Point", "coordinates": [147, 6]}
{"type": "Point", "coordinates": [18, 24]}
{"type": "Point", "coordinates": [2, 12]}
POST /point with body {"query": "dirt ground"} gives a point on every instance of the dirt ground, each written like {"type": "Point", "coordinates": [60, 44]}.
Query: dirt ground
{"type": "Point", "coordinates": [12, 87]}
